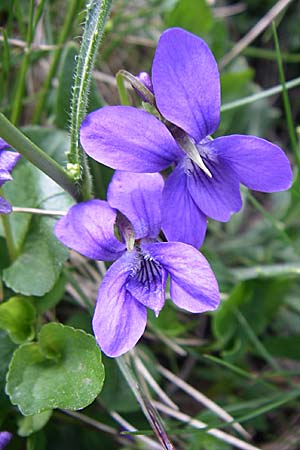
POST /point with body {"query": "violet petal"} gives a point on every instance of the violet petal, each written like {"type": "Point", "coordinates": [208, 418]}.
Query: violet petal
{"type": "Point", "coordinates": [186, 83]}
{"type": "Point", "coordinates": [260, 165]}
{"type": "Point", "coordinates": [193, 284]}
{"type": "Point", "coordinates": [88, 228]}
{"type": "Point", "coordinates": [126, 138]}
{"type": "Point", "coordinates": [139, 198]}
{"type": "Point", "coordinates": [5, 206]}
{"type": "Point", "coordinates": [4, 176]}
{"type": "Point", "coordinates": [182, 220]}
{"type": "Point", "coordinates": [5, 438]}
{"type": "Point", "coordinates": [119, 320]}
{"type": "Point", "coordinates": [3, 144]}
{"type": "Point", "coordinates": [217, 197]}
{"type": "Point", "coordinates": [8, 159]}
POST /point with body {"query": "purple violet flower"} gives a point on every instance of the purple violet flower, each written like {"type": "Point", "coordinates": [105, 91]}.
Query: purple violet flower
{"type": "Point", "coordinates": [207, 174]}
{"type": "Point", "coordinates": [137, 279]}
{"type": "Point", "coordinates": [5, 437]}
{"type": "Point", "coordinates": [8, 160]}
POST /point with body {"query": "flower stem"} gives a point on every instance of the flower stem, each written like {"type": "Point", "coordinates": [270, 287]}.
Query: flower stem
{"type": "Point", "coordinates": [14, 137]}
{"type": "Point", "coordinates": [41, 212]}
{"type": "Point", "coordinates": [72, 9]}
{"type": "Point", "coordinates": [23, 70]}
{"type": "Point", "coordinates": [96, 15]}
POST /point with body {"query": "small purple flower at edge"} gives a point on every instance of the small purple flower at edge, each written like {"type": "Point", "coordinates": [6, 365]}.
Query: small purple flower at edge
{"type": "Point", "coordinates": [137, 279]}
{"type": "Point", "coordinates": [207, 174]}
{"type": "Point", "coordinates": [5, 438]}
{"type": "Point", "coordinates": [8, 160]}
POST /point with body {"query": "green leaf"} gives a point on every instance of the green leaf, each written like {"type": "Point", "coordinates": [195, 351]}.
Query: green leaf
{"type": "Point", "coordinates": [17, 317]}
{"type": "Point", "coordinates": [62, 370]}
{"type": "Point", "coordinates": [30, 424]}
{"type": "Point", "coordinates": [41, 255]}
{"type": "Point", "coordinates": [50, 299]}
{"type": "Point", "coordinates": [7, 347]}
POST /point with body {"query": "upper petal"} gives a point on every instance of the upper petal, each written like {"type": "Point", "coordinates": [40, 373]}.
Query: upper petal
{"type": "Point", "coordinates": [182, 220]}
{"type": "Point", "coordinates": [119, 319]}
{"type": "Point", "coordinates": [139, 198]}
{"type": "Point", "coordinates": [219, 196]}
{"type": "Point", "coordinates": [88, 228]}
{"type": "Point", "coordinates": [259, 165]}
{"type": "Point", "coordinates": [127, 138]}
{"type": "Point", "coordinates": [193, 284]}
{"type": "Point", "coordinates": [186, 83]}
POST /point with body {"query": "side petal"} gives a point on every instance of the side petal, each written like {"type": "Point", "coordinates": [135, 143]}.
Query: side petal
{"type": "Point", "coordinates": [193, 284]}
{"type": "Point", "coordinates": [186, 83]}
{"type": "Point", "coordinates": [119, 320]}
{"type": "Point", "coordinates": [219, 196]}
{"type": "Point", "coordinates": [5, 206]}
{"type": "Point", "coordinates": [88, 228]}
{"type": "Point", "coordinates": [139, 198]}
{"type": "Point", "coordinates": [182, 220]}
{"type": "Point", "coordinates": [260, 165]}
{"type": "Point", "coordinates": [126, 138]}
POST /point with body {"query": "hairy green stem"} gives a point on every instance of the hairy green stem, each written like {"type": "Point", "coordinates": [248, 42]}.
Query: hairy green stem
{"type": "Point", "coordinates": [96, 15]}
{"type": "Point", "coordinates": [42, 97]}
{"type": "Point", "coordinates": [24, 67]}
{"type": "Point", "coordinates": [14, 137]}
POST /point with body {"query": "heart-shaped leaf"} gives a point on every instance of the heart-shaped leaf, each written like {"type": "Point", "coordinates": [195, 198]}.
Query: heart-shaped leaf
{"type": "Point", "coordinates": [62, 370]}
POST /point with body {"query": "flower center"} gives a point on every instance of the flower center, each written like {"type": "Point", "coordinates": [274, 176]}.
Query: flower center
{"type": "Point", "coordinates": [190, 148]}
{"type": "Point", "coordinates": [146, 270]}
